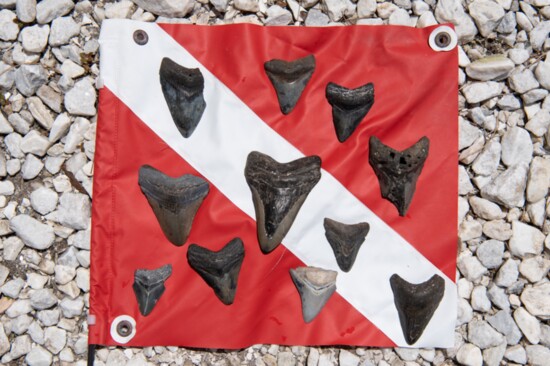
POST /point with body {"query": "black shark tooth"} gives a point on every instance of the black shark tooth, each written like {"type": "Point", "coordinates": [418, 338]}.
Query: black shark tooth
{"type": "Point", "coordinates": [149, 287]}
{"type": "Point", "coordinates": [289, 78]}
{"type": "Point", "coordinates": [183, 92]}
{"type": "Point", "coordinates": [345, 240]}
{"type": "Point", "coordinates": [278, 192]}
{"type": "Point", "coordinates": [315, 286]}
{"type": "Point", "coordinates": [398, 171]}
{"type": "Point", "coordinates": [220, 270]}
{"type": "Point", "coordinates": [174, 201]}
{"type": "Point", "coordinates": [416, 304]}
{"type": "Point", "coordinates": [349, 107]}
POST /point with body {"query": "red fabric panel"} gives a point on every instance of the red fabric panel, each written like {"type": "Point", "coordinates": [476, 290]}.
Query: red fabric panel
{"type": "Point", "coordinates": [126, 236]}
{"type": "Point", "coordinates": [415, 96]}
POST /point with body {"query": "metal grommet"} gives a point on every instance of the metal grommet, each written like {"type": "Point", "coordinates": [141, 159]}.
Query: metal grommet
{"type": "Point", "coordinates": [443, 39]}
{"type": "Point", "coordinates": [123, 329]}
{"type": "Point", "coordinates": [141, 37]}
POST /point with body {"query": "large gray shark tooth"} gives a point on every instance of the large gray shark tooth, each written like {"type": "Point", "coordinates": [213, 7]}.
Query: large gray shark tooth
{"type": "Point", "coordinates": [220, 270]}
{"type": "Point", "coordinates": [174, 201]}
{"type": "Point", "coordinates": [349, 107]}
{"type": "Point", "coordinates": [289, 78]}
{"type": "Point", "coordinates": [398, 171]}
{"type": "Point", "coordinates": [416, 304]}
{"type": "Point", "coordinates": [183, 92]}
{"type": "Point", "coordinates": [149, 287]}
{"type": "Point", "coordinates": [315, 286]}
{"type": "Point", "coordinates": [278, 192]}
{"type": "Point", "coordinates": [345, 240]}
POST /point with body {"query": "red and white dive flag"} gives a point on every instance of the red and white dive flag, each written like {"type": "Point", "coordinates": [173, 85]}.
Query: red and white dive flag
{"type": "Point", "coordinates": [228, 107]}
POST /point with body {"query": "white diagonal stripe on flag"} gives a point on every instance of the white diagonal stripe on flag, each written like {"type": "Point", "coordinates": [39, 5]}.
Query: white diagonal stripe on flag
{"type": "Point", "coordinates": [229, 130]}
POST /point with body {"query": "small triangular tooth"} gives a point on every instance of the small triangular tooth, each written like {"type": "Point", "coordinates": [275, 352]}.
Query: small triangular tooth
{"type": "Point", "coordinates": [149, 287]}
{"type": "Point", "coordinates": [183, 92]}
{"type": "Point", "coordinates": [315, 286]}
{"type": "Point", "coordinates": [278, 192]}
{"type": "Point", "coordinates": [345, 240]}
{"type": "Point", "coordinates": [398, 171]}
{"type": "Point", "coordinates": [174, 201]}
{"type": "Point", "coordinates": [349, 107]}
{"type": "Point", "coordinates": [289, 78]}
{"type": "Point", "coordinates": [416, 304]}
{"type": "Point", "coordinates": [220, 270]}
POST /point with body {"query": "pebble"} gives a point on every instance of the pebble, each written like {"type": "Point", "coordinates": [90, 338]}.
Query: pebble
{"type": "Point", "coordinates": [516, 354]}
{"type": "Point", "coordinates": [48, 10]}
{"type": "Point", "coordinates": [316, 18]}
{"type": "Point", "coordinates": [522, 81]}
{"type": "Point", "coordinates": [21, 346]}
{"type": "Point", "coordinates": [492, 356]}
{"type": "Point", "coordinates": [498, 297]}
{"type": "Point", "coordinates": [55, 339]}
{"type": "Point", "coordinates": [221, 5]}
{"type": "Point", "coordinates": [538, 124]}
{"type": "Point", "coordinates": [168, 8]}
{"type": "Point", "coordinates": [525, 240]}
{"type": "Point", "coordinates": [537, 299]}
{"type": "Point", "coordinates": [481, 334]}
{"type": "Point", "coordinates": [34, 234]}
{"type": "Point", "coordinates": [63, 29]}
{"type": "Point", "coordinates": [13, 288]}
{"type": "Point", "coordinates": [467, 135]}
{"type": "Point", "coordinates": [533, 269]}
{"type": "Point", "coordinates": [34, 38]}
{"type": "Point", "coordinates": [39, 111]}
{"type": "Point", "coordinates": [481, 91]}
{"type": "Point", "coordinates": [8, 28]}
{"type": "Point", "coordinates": [4, 341]}
{"type": "Point", "coordinates": [528, 324]}
{"type": "Point", "coordinates": [337, 9]}
{"type": "Point", "coordinates": [490, 253]}
{"type": "Point", "coordinates": [490, 68]}
{"type": "Point", "coordinates": [470, 267]}
{"type": "Point", "coordinates": [26, 10]}
{"type": "Point", "coordinates": [537, 355]}
{"type": "Point", "coordinates": [50, 97]}
{"type": "Point", "coordinates": [508, 187]}
{"type": "Point", "coordinates": [119, 10]}
{"type": "Point", "coordinates": [59, 127]}
{"type": "Point", "coordinates": [43, 299]}
{"type": "Point", "coordinates": [486, 209]}
{"type": "Point", "coordinates": [366, 8]}
{"type": "Point", "coordinates": [80, 100]}
{"type": "Point", "coordinates": [73, 211]}
{"type": "Point", "coordinates": [38, 356]}
{"type": "Point", "coordinates": [451, 11]}
{"type": "Point", "coordinates": [487, 161]}
{"type": "Point", "coordinates": [6, 188]}
{"type": "Point", "coordinates": [487, 15]}
{"type": "Point", "coordinates": [347, 358]}
{"type": "Point", "coordinates": [277, 15]}
{"type": "Point", "coordinates": [35, 143]}
{"type": "Point", "coordinates": [542, 73]}
{"type": "Point", "coordinates": [507, 274]}
{"type": "Point", "coordinates": [516, 146]}
{"type": "Point", "coordinates": [503, 322]}
{"type": "Point", "coordinates": [480, 301]}
{"type": "Point", "coordinates": [71, 308]}
{"type": "Point", "coordinates": [76, 134]}
{"type": "Point", "coordinates": [539, 34]}
{"type": "Point", "coordinates": [31, 167]}
{"type": "Point", "coordinates": [28, 78]}
{"type": "Point", "coordinates": [12, 248]}
{"type": "Point", "coordinates": [43, 200]}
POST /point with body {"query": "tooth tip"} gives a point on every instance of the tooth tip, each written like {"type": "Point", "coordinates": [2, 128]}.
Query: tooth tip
{"type": "Point", "coordinates": [416, 304]}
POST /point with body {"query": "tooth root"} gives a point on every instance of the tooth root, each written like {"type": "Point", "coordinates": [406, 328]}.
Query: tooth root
{"type": "Point", "coordinates": [289, 78]}
{"type": "Point", "coordinates": [220, 270]}
{"type": "Point", "coordinates": [149, 287]}
{"type": "Point", "coordinates": [278, 192]}
{"type": "Point", "coordinates": [416, 304]}
{"type": "Point", "coordinates": [349, 107]}
{"type": "Point", "coordinates": [398, 171]}
{"type": "Point", "coordinates": [345, 240]}
{"type": "Point", "coordinates": [183, 92]}
{"type": "Point", "coordinates": [174, 201]}
{"type": "Point", "coordinates": [315, 286]}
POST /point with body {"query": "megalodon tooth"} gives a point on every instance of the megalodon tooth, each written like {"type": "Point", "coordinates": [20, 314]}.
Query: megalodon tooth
{"type": "Point", "coordinates": [220, 270]}
{"type": "Point", "coordinates": [345, 240]}
{"type": "Point", "coordinates": [416, 304]}
{"type": "Point", "coordinates": [174, 201]}
{"type": "Point", "coordinates": [149, 287]}
{"type": "Point", "coordinates": [315, 286]}
{"type": "Point", "coordinates": [349, 107]}
{"type": "Point", "coordinates": [289, 78]}
{"type": "Point", "coordinates": [398, 171]}
{"type": "Point", "coordinates": [183, 92]}
{"type": "Point", "coordinates": [278, 192]}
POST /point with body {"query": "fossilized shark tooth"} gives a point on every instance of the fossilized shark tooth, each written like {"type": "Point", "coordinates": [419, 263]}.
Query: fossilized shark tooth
{"type": "Point", "coordinates": [183, 92]}
{"type": "Point", "coordinates": [315, 286]}
{"type": "Point", "coordinates": [416, 304]}
{"type": "Point", "coordinates": [149, 287]}
{"type": "Point", "coordinates": [398, 171]}
{"type": "Point", "coordinates": [349, 107]}
{"type": "Point", "coordinates": [174, 201]}
{"type": "Point", "coordinates": [289, 78]}
{"type": "Point", "coordinates": [220, 270]}
{"type": "Point", "coordinates": [278, 192]}
{"type": "Point", "coordinates": [345, 240]}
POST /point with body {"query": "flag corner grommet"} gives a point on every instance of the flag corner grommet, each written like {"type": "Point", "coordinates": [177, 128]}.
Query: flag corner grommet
{"type": "Point", "coordinates": [123, 329]}
{"type": "Point", "coordinates": [443, 39]}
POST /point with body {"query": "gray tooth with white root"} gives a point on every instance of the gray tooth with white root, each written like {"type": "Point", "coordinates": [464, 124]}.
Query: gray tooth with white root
{"type": "Point", "coordinates": [315, 286]}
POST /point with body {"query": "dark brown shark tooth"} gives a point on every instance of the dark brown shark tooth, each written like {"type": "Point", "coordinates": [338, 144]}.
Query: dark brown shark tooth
{"type": "Point", "coordinates": [174, 201]}
{"type": "Point", "coordinates": [220, 270]}
{"type": "Point", "coordinates": [289, 78]}
{"type": "Point", "coordinates": [278, 192]}
{"type": "Point", "coordinates": [315, 286]}
{"type": "Point", "coordinates": [183, 92]}
{"type": "Point", "coordinates": [349, 107]}
{"type": "Point", "coordinates": [149, 287]}
{"type": "Point", "coordinates": [416, 304]}
{"type": "Point", "coordinates": [398, 171]}
{"type": "Point", "coordinates": [345, 240]}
